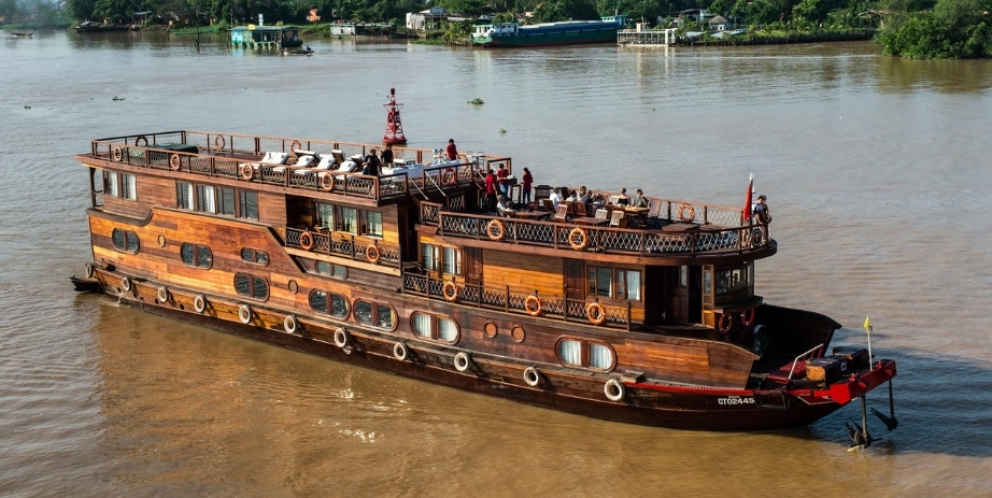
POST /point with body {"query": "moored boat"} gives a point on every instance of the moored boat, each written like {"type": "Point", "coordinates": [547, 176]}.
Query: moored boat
{"type": "Point", "coordinates": [646, 315]}
{"type": "Point", "coordinates": [266, 36]}
{"type": "Point", "coordinates": [92, 27]}
{"type": "Point", "coordinates": [512, 34]}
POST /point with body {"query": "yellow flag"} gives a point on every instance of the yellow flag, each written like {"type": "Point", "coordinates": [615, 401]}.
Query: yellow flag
{"type": "Point", "coordinates": [867, 322]}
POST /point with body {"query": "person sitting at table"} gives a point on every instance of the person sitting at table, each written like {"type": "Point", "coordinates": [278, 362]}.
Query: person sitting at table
{"type": "Point", "coordinates": [622, 199]}
{"type": "Point", "coordinates": [585, 197]}
{"type": "Point", "coordinates": [556, 197]}
{"type": "Point", "coordinates": [639, 201]}
{"type": "Point", "coordinates": [573, 196]}
{"type": "Point", "coordinates": [503, 206]}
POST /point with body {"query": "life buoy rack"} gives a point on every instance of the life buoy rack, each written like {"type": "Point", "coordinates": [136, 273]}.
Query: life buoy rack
{"type": "Point", "coordinates": [687, 213]}
{"type": "Point", "coordinates": [372, 254]}
{"type": "Point", "coordinates": [448, 177]}
{"type": "Point", "coordinates": [290, 324]}
{"type": "Point", "coordinates": [162, 294]}
{"type": "Point", "coordinates": [532, 377]}
{"type": "Point", "coordinates": [341, 338]}
{"type": "Point", "coordinates": [220, 142]}
{"type": "Point", "coordinates": [462, 361]}
{"type": "Point", "coordinates": [88, 270]}
{"type": "Point", "coordinates": [757, 236]}
{"type": "Point", "coordinates": [726, 321]}
{"type": "Point", "coordinates": [295, 145]}
{"type": "Point", "coordinates": [244, 314]}
{"type": "Point", "coordinates": [578, 238]}
{"type": "Point", "coordinates": [747, 317]}
{"type": "Point", "coordinates": [247, 172]}
{"type": "Point", "coordinates": [326, 182]}
{"type": "Point", "coordinates": [306, 241]}
{"type": "Point", "coordinates": [200, 303]}
{"type": "Point", "coordinates": [596, 313]}
{"type": "Point", "coordinates": [141, 141]}
{"type": "Point", "coordinates": [614, 390]}
{"type": "Point", "coordinates": [400, 351]}
{"type": "Point", "coordinates": [496, 230]}
{"type": "Point", "coordinates": [117, 153]}
{"type": "Point", "coordinates": [450, 291]}
{"type": "Point", "coordinates": [532, 305]}
{"type": "Point", "coordinates": [126, 284]}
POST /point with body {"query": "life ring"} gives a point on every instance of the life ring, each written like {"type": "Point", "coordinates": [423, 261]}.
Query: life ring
{"type": "Point", "coordinates": [244, 314]}
{"type": "Point", "coordinates": [578, 239]}
{"type": "Point", "coordinates": [448, 177]}
{"type": "Point", "coordinates": [614, 390]}
{"type": "Point", "coordinates": [400, 351]}
{"type": "Point", "coordinates": [341, 338]}
{"type": "Point", "coordinates": [306, 240]}
{"type": "Point", "coordinates": [200, 303]}
{"type": "Point", "coordinates": [596, 313]}
{"type": "Point", "coordinates": [295, 145]}
{"type": "Point", "coordinates": [117, 153]}
{"type": "Point", "coordinates": [682, 213]}
{"type": "Point", "coordinates": [450, 291]}
{"type": "Point", "coordinates": [532, 305]}
{"type": "Point", "coordinates": [220, 142]}
{"type": "Point", "coordinates": [126, 284]}
{"type": "Point", "coordinates": [290, 323]}
{"type": "Point", "coordinates": [726, 321]}
{"type": "Point", "coordinates": [141, 141]}
{"type": "Point", "coordinates": [162, 294]}
{"type": "Point", "coordinates": [532, 377]}
{"type": "Point", "coordinates": [175, 162]}
{"type": "Point", "coordinates": [496, 230]}
{"type": "Point", "coordinates": [247, 172]}
{"type": "Point", "coordinates": [88, 270]}
{"type": "Point", "coordinates": [757, 236]}
{"type": "Point", "coordinates": [327, 182]}
{"type": "Point", "coordinates": [372, 254]}
{"type": "Point", "coordinates": [462, 362]}
{"type": "Point", "coordinates": [747, 317]}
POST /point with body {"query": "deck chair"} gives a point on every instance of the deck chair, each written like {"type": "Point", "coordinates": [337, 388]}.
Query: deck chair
{"type": "Point", "coordinates": [614, 199]}
{"type": "Point", "coordinates": [338, 156]}
{"type": "Point", "coordinates": [325, 164]}
{"type": "Point", "coordinates": [274, 158]}
{"type": "Point", "coordinates": [548, 204]}
{"type": "Point", "coordinates": [615, 218]}
{"type": "Point", "coordinates": [602, 214]}
{"type": "Point", "coordinates": [561, 216]}
{"type": "Point", "coordinates": [654, 213]}
{"type": "Point", "coordinates": [580, 208]}
{"type": "Point", "coordinates": [303, 161]}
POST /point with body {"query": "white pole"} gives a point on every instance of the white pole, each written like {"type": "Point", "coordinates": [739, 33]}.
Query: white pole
{"type": "Point", "coordinates": [868, 329]}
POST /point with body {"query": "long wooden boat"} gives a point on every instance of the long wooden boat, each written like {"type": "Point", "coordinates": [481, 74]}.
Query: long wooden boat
{"type": "Point", "coordinates": [656, 325]}
{"type": "Point", "coordinates": [513, 35]}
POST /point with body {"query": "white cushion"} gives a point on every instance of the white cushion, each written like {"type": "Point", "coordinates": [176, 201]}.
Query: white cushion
{"type": "Point", "coordinates": [303, 161]}
{"type": "Point", "coordinates": [275, 157]}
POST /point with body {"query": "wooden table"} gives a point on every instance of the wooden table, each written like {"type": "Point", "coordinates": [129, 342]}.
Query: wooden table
{"type": "Point", "coordinates": [533, 215]}
{"type": "Point", "coordinates": [589, 220]}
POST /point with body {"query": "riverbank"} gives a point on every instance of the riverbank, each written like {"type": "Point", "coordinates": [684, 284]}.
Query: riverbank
{"type": "Point", "coordinates": [781, 37]}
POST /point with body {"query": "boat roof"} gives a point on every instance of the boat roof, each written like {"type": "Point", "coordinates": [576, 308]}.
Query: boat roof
{"type": "Point", "coordinates": [262, 28]}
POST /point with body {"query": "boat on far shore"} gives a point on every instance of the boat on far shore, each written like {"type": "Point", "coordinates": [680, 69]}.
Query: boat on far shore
{"type": "Point", "coordinates": [512, 34]}
{"type": "Point", "coordinates": [22, 35]}
{"type": "Point", "coordinates": [92, 27]}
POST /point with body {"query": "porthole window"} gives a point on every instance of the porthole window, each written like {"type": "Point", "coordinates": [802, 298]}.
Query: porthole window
{"type": "Point", "coordinates": [586, 354]}
{"type": "Point", "coordinates": [195, 255]}
{"type": "Point", "coordinates": [329, 303]}
{"type": "Point", "coordinates": [125, 240]}
{"type": "Point", "coordinates": [251, 286]}
{"type": "Point", "coordinates": [434, 327]}
{"type": "Point", "coordinates": [332, 270]}
{"type": "Point", "coordinates": [254, 256]}
{"type": "Point", "coordinates": [490, 330]}
{"type": "Point", "coordinates": [375, 314]}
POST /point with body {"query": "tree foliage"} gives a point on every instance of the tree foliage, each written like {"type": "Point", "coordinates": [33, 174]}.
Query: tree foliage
{"type": "Point", "coordinates": [955, 29]}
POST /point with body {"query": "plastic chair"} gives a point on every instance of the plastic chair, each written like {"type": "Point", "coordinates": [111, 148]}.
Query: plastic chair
{"type": "Point", "coordinates": [602, 214]}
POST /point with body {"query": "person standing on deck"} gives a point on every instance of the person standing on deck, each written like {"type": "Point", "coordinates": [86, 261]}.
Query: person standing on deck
{"type": "Point", "coordinates": [501, 176]}
{"type": "Point", "coordinates": [528, 180]}
{"type": "Point", "coordinates": [371, 164]}
{"type": "Point", "coordinates": [760, 211]}
{"type": "Point", "coordinates": [451, 151]}
{"type": "Point", "coordinates": [489, 204]}
{"type": "Point", "coordinates": [387, 157]}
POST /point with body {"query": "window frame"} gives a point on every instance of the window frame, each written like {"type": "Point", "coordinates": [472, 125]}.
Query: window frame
{"type": "Point", "coordinates": [111, 184]}
{"type": "Point", "coordinates": [251, 286]}
{"type": "Point", "coordinates": [333, 273]}
{"type": "Point", "coordinates": [365, 223]}
{"type": "Point", "coordinates": [618, 287]}
{"type": "Point", "coordinates": [440, 259]}
{"type": "Point", "coordinates": [190, 197]}
{"type": "Point", "coordinates": [129, 186]}
{"type": "Point", "coordinates": [254, 256]}
{"type": "Point", "coordinates": [126, 246]}
{"type": "Point", "coordinates": [374, 314]}
{"type": "Point", "coordinates": [584, 353]}
{"type": "Point", "coordinates": [197, 255]}
{"type": "Point", "coordinates": [328, 303]}
{"type": "Point", "coordinates": [435, 327]}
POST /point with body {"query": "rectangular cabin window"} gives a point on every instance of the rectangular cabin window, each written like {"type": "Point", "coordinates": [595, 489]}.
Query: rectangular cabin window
{"type": "Point", "coordinates": [110, 186]}
{"type": "Point", "coordinates": [734, 283]}
{"type": "Point", "coordinates": [129, 186]}
{"type": "Point", "coordinates": [207, 202]}
{"type": "Point", "coordinates": [628, 285]}
{"type": "Point", "coordinates": [325, 215]}
{"type": "Point", "coordinates": [683, 276]}
{"type": "Point", "coordinates": [430, 258]}
{"type": "Point", "coordinates": [452, 261]}
{"type": "Point", "coordinates": [372, 223]}
{"type": "Point", "coordinates": [184, 196]}
{"type": "Point", "coordinates": [600, 281]}
{"type": "Point", "coordinates": [349, 220]}
{"type": "Point", "coordinates": [615, 283]}
{"type": "Point", "coordinates": [225, 201]}
{"type": "Point", "coordinates": [249, 204]}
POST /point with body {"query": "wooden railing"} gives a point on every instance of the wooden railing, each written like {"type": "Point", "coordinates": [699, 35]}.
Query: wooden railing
{"type": "Point", "coordinates": [686, 240]}
{"type": "Point", "coordinates": [514, 301]}
{"type": "Point", "coordinates": [347, 245]}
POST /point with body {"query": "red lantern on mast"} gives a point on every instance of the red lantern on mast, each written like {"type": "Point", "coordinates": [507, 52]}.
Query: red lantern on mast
{"type": "Point", "coordinates": [394, 129]}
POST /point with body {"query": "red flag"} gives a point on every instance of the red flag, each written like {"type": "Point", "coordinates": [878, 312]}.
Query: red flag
{"type": "Point", "coordinates": [747, 200]}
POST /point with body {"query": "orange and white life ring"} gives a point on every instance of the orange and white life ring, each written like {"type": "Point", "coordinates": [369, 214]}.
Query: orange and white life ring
{"type": "Point", "coordinates": [687, 213]}
{"type": "Point", "coordinates": [372, 254]}
{"type": "Point", "coordinates": [726, 321]}
{"type": "Point", "coordinates": [175, 162]}
{"type": "Point", "coordinates": [141, 141]}
{"type": "Point", "coordinates": [220, 141]}
{"type": "Point", "coordinates": [450, 291]}
{"type": "Point", "coordinates": [327, 182]}
{"type": "Point", "coordinates": [117, 153]}
{"type": "Point", "coordinates": [448, 177]}
{"type": "Point", "coordinates": [532, 305]}
{"type": "Point", "coordinates": [247, 172]}
{"type": "Point", "coordinates": [578, 239]}
{"type": "Point", "coordinates": [747, 317]}
{"type": "Point", "coordinates": [306, 240]}
{"type": "Point", "coordinates": [596, 313]}
{"type": "Point", "coordinates": [295, 145]}
{"type": "Point", "coordinates": [496, 230]}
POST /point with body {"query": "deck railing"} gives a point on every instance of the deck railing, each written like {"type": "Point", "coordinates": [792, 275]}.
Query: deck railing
{"type": "Point", "coordinates": [347, 245]}
{"type": "Point", "coordinates": [514, 301]}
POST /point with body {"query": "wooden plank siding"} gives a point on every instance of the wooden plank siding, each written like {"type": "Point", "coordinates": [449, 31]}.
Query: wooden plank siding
{"type": "Point", "coordinates": [524, 272]}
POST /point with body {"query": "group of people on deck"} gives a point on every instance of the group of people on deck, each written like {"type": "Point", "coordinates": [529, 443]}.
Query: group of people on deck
{"type": "Point", "coordinates": [594, 201]}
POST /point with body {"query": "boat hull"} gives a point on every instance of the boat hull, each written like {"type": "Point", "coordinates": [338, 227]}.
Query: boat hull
{"type": "Point", "coordinates": [553, 39]}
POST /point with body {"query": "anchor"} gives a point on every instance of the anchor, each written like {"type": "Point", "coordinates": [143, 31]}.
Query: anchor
{"type": "Point", "coordinates": [859, 433]}
{"type": "Point", "coordinates": [890, 422]}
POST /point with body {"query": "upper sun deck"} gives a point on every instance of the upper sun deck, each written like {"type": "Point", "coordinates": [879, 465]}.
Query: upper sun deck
{"type": "Point", "coordinates": [224, 156]}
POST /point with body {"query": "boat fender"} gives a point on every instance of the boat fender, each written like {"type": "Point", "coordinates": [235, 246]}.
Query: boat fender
{"type": "Point", "coordinates": [141, 141]}
{"type": "Point", "coordinates": [400, 351]}
{"type": "Point", "coordinates": [117, 153]}
{"type": "Point", "coordinates": [220, 142]}
{"type": "Point", "coordinates": [462, 362]}
{"type": "Point", "coordinates": [372, 254]}
{"type": "Point", "coordinates": [747, 317]}
{"type": "Point", "coordinates": [174, 162]}
{"type": "Point", "coordinates": [162, 294]}
{"type": "Point", "coordinates": [450, 291]}
{"type": "Point", "coordinates": [596, 313]}
{"type": "Point", "coordinates": [126, 284]}
{"type": "Point", "coordinates": [496, 230]}
{"type": "Point", "coordinates": [532, 377]}
{"type": "Point", "coordinates": [88, 270]}
{"type": "Point", "coordinates": [247, 172]}
{"type": "Point", "coordinates": [290, 324]}
{"type": "Point", "coordinates": [578, 239]}
{"type": "Point", "coordinates": [614, 390]}
{"type": "Point", "coordinates": [327, 182]}
{"type": "Point", "coordinates": [532, 305]}
{"type": "Point", "coordinates": [687, 213]}
{"type": "Point", "coordinates": [341, 338]}
{"type": "Point", "coordinates": [448, 177]}
{"type": "Point", "coordinates": [726, 321]}
{"type": "Point", "coordinates": [200, 303]}
{"type": "Point", "coordinates": [306, 240]}
{"type": "Point", "coordinates": [244, 314]}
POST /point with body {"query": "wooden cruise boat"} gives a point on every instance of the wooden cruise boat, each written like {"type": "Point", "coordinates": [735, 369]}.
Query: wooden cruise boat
{"type": "Point", "coordinates": [656, 324]}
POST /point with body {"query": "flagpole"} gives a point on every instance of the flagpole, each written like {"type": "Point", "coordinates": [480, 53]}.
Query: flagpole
{"type": "Point", "coordinates": [871, 359]}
